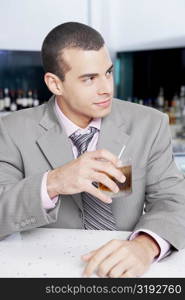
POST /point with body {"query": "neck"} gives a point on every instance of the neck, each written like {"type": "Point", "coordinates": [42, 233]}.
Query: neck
{"type": "Point", "coordinates": [82, 121]}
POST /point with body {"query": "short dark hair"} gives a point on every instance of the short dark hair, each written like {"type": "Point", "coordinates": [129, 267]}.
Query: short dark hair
{"type": "Point", "coordinates": [67, 35]}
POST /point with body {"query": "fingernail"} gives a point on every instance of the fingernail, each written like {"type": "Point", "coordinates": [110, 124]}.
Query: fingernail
{"type": "Point", "coordinates": [123, 178]}
{"type": "Point", "coordinates": [109, 200]}
{"type": "Point", "coordinates": [85, 256]}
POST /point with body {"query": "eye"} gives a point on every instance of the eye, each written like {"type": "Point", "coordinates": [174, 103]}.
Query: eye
{"type": "Point", "coordinates": [110, 72]}
{"type": "Point", "coordinates": [88, 80]}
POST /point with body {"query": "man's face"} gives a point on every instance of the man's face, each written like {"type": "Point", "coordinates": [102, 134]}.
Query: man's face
{"type": "Point", "coordinates": [88, 86]}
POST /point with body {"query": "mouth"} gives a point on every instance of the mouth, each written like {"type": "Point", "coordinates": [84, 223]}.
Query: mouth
{"type": "Point", "coordinates": [104, 103]}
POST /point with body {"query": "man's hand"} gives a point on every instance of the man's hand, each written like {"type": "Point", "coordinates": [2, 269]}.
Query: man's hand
{"type": "Point", "coordinates": [122, 259]}
{"type": "Point", "coordinates": [77, 175]}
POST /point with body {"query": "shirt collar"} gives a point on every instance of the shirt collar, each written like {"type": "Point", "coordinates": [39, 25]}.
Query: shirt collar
{"type": "Point", "coordinates": [70, 127]}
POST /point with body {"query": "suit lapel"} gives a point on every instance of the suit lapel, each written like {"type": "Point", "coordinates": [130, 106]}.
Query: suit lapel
{"type": "Point", "coordinates": [113, 132]}
{"type": "Point", "coordinates": [55, 146]}
{"type": "Point", "coordinates": [54, 143]}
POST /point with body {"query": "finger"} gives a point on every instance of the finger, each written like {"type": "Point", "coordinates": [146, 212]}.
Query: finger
{"type": "Point", "coordinates": [105, 180]}
{"type": "Point", "coordinates": [106, 155]}
{"type": "Point", "coordinates": [99, 256]}
{"type": "Point", "coordinates": [108, 168]}
{"type": "Point", "coordinates": [118, 259]}
{"type": "Point", "coordinates": [118, 269]}
{"type": "Point", "coordinates": [98, 194]}
{"type": "Point", "coordinates": [135, 271]}
{"type": "Point", "coordinates": [87, 256]}
{"type": "Point", "coordinates": [129, 274]}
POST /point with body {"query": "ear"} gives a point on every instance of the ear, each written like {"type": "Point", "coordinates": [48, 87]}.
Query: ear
{"type": "Point", "coordinates": [53, 83]}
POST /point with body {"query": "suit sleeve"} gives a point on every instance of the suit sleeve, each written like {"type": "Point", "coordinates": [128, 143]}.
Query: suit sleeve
{"type": "Point", "coordinates": [20, 196]}
{"type": "Point", "coordinates": [164, 211]}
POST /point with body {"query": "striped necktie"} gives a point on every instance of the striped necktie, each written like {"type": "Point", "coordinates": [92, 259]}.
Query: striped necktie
{"type": "Point", "coordinates": [97, 214]}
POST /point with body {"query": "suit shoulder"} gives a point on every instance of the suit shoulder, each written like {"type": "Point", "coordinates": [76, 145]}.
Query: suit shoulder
{"type": "Point", "coordinates": [25, 116]}
{"type": "Point", "coordinates": [138, 111]}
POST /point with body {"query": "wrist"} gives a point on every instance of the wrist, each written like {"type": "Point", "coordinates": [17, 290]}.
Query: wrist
{"type": "Point", "coordinates": [149, 244]}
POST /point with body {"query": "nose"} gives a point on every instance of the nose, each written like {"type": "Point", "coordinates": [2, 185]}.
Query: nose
{"type": "Point", "coordinates": [105, 86]}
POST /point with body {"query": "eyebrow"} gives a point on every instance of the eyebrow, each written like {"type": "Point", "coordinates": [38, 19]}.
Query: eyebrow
{"type": "Point", "coordinates": [94, 74]}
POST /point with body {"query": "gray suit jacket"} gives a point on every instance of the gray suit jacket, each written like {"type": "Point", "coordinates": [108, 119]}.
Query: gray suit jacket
{"type": "Point", "coordinates": [32, 142]}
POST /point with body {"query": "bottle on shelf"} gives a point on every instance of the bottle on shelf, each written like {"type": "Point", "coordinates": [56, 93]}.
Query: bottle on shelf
{"type": "Point", "coordinates": [7, 99]}
{"type": "Point", "coordinates": [160, 99]}
{"type": "Point", "coordinates": [176, 108]}
{"type": "Point", "coordinates": [13, 100]}
{"type": "Point", "coordinates": [13, 104]}
{"type": "Point", "coordinates": [181, 130]}
{"type": "Point", "coordinates": [19, 99]}
{"type": "Point", "coordinates": [172, 113]}
{"type": "Point", "coordinates": [30, 98]}
{"type": "Point", "coordinates": [36, 101]}
{"type": "Point", "coordinates": [24, 101]}
{"type": "Point", "coordinates": [182, 105]}
{"type": "Point", "coordinates": [141, 101]}
{"type": "Point", "coordinates": [166, 108]}
{"type": "Point", "coordinates": [2, 104]}
{"type": "Point", "coordinates": [182, 97]}
{"type": "Point", "coordinates": [175, 112]}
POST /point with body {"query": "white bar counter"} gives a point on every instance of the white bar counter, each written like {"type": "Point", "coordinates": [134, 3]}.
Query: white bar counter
{"type": "Point", "coordinates": [46, 252]}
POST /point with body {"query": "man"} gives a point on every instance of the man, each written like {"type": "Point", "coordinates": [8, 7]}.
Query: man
{"type": "Point", "coordinates": [51, 156]}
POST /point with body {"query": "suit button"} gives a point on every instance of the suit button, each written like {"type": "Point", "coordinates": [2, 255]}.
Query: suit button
{"type": "Point", "coordinates": [27, 221]}
{"type": "Point", "coordinates": [32, 220]}
{"type": "Point", "coordinates": [23, 223]}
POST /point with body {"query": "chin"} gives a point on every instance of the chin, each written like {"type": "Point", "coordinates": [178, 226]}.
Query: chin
{"type": "Point", "coordinates": [98, 113]}
{"type": "Point", "coordinates": [103, 113]}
